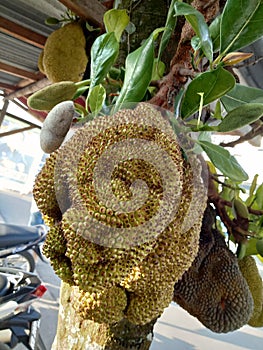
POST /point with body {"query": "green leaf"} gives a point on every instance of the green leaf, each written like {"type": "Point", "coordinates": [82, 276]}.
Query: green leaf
{"type": "Point", "coordinates": [138, 74]}
{"type": "Point", "coordinates": [224, 161]}
{"type": "Point", "coordinates": [197, 21]}
{"type": "Point", "coordinates": [259, 197]}
{"type": "Point", "coordinates": [241, 94]}
{"type": "Point", "coordinates": [48, 97]}
{"type": "Point", "coordinates": [217, 111]}
{"type": "Point", "coordinates": [213, 84]}
{"type": "Point", "coordinates": [252, 189]}
{"type": "Point", "coordinates": [241, 24]}
{"type": "Point", "coordinates": [214, 30]}
{"type": "Point", "coordinates": [80, 91]}
{"type": "Point", "coordinates": [158, 69]}
{"type": "Point", "coordinates": [116, 21]}
{"type": "Point", "coordinates": [104, 52]}
{"type": "Point", "coordinates": [241, 116]}
{"type": "Point", "coordinates": [96, 98]}
{"type": "Point", "coordinates": [169, 28]}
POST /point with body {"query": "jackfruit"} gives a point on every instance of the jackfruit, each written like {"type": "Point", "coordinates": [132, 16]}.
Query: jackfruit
{"type": "Point", "coordinates": [125, 193]}
{"type": "Point", "coordinates": [213, 288]}
{"type": "Point", "coordinates": [48, 97]}
{"type": "Point", "coordinates": [251, 274]}
{"type": "Point", "coordinates": [54, 249]}
{"type": "Point", "coordinates": [103, 307]}
{"type": "Point", "coordinates": [64, 57]}
{"type": "Point", "coordinates": [44, 190]}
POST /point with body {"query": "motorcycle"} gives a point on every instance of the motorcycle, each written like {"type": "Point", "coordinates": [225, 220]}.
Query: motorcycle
{"type": "Point", "coordinates": [18, 289]}
{"type": "Point", "coordinates": [15, 243]}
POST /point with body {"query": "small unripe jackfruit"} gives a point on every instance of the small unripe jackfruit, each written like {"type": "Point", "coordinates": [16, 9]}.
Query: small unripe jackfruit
{"type": "Point", "coordinates": [64, 56]}
{"type": "Point", "coordinates": [251, 274]}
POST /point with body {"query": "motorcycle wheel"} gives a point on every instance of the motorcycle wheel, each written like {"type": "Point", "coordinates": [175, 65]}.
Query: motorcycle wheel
{"type": "Point", "coordinates": [23, 260]}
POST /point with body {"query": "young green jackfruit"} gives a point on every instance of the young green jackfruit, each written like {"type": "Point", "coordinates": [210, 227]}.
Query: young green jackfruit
{"type": "Point", "coordinates": [64, 55]}
{"type": "Point", "coordinates": [48, 97]}
{"type": "Point", "coordinates": [213, 289]}
{"type": "Point", "coordinates": [251, 274]}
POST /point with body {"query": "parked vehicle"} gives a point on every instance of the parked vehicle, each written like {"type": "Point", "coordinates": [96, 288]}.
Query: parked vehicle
{"type": "Point", "coordinates": [17, 244]}
{"type": "Point", "coordinates": [19, 321]}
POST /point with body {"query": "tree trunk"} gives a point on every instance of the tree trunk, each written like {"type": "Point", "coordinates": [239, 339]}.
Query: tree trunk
{"type": "Point", "coordinates": [76, 334]}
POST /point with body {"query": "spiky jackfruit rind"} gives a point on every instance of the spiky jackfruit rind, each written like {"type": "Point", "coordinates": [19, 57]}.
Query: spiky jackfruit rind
{"type": "Point", "coordinates": [44, 190]}
{"type": "Point", "coordinates": [64, 55]}
{"type": "Point", "coordinates": [214, 290]}
{"type": "Point", "coordinates": [251, 274]}
{"type": "Point", "coordinates": [144, 308]}
{"type": "Point", "coordinates": [148, 266]}
{"type": "Point", "coordinates": [103, 307]}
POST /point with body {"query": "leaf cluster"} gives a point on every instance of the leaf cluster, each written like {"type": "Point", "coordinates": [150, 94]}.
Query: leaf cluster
{"type": "Point", "coordinates": [212, 101]}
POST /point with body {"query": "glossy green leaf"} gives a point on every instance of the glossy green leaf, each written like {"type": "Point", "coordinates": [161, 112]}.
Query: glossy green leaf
{"type": "Point", "coordinates": [80, 91]}
{"type": "Point", "coordinates": [197, 21]}
{"type": "Point", "coordinates": [169, 28]}
{"type": "Point", "coordinates": [158, 69]}
{"type": "Point", "coordinates": [252, 189]}
{"type": "Point", "coordinates": [241, 24]}
{"type": "Point", "coordinates": [96, 98]}
{"type": "Point", "coordinates": [259, 197]}
{"type": "Point", "coordinates": [224, 161]}
{"type": "Point", "coordinates": [116, 21]}
{"type": "Point", "coordinates": [241, 94]}
{"type": "Point", "coordinates": [218, 112]}
{"type": "Point", "coordinates": [213, 84]}
{"type": "Point", "coordinates": [104, 52]}
{"type": "Point", "coordinates": [214, 30]}
{"type": "Point", "coordinates": [241, 116]}
{"type": "Point", "coordinates": [138, 74]}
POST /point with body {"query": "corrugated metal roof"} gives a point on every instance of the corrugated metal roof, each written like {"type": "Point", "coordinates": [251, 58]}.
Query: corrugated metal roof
{"type": "Point", "coordinates": [17, 53]}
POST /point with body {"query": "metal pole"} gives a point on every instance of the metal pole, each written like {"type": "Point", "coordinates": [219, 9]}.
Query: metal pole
{"type": "Point", "coordinates": [3, 111]}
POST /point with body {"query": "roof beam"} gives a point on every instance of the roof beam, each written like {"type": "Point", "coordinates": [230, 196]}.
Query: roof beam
{"type": "Point", "coordinates": [16, 131]}
{"type": "Point", "coordinates": [20, 72]}
{"type": "Point", "coordinates": [91, 11]}
{"type": "Point", "coordinates": [22, 33]}
{"type": "Point", "coordinates": [29, 89]}
{"type": "Point", "coordinates": [8, 87]}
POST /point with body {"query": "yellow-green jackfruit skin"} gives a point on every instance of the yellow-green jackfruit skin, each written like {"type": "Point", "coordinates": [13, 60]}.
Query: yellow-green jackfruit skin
{"type": "Point", "coordinates": [138, 276]}
{"type": "Point", "coordinates": [64, 57]}
{"type": "Point", "coordinates": [250, 272]}
{"type": "Point", "coordinates": [213, 289]}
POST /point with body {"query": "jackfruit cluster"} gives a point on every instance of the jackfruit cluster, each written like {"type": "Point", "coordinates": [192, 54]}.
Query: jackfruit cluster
{"type": "Point", "coordinates": [213, 288]}
{"type": "Point", "coordinates": [111, 251]}
{"type": "Point", "coordinates": [64, 57]}
{"type": "Point", "coordinates": [251, 274]}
